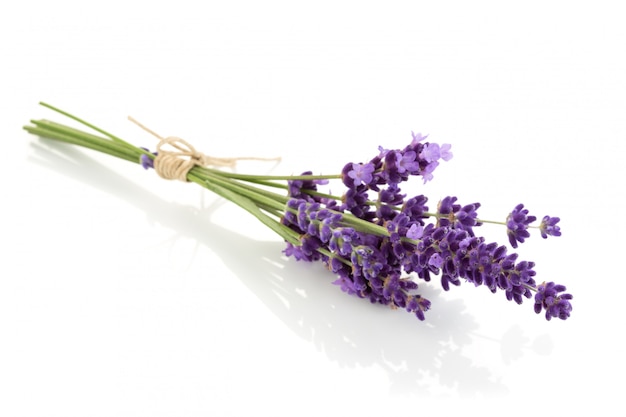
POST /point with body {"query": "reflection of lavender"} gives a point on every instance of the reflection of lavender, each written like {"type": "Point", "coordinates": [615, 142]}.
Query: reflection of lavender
{"type": "Point", "coordinates": [372, 237]}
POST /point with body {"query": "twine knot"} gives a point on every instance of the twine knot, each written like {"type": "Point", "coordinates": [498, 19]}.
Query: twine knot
{"type": "Point", "coordinates": [176, 162]}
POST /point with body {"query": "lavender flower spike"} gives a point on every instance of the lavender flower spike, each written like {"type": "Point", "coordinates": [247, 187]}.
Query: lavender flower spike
{"type": "Point", "coordinates": [550, 299]}
{"type": "Point", "coordinates": [548, 227]}
{"type": "Point", "coordinates": [517, 225]}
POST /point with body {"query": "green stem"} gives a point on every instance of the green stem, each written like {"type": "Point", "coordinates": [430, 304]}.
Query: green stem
{"type": "Point", "coordinates": [267, 183]}
{"type": "Point", "coordinates": [437, 215]}
{"type": "Point", "coordinates": [491, 222]}
{"type": "Point", "coordinates": [83, 122]}
{"type": "Point", "coordinates": [246, 204]}
{"type": "Point", "coordinates": [361, 225]}
{"type": "Point", "coordinates": [257, 195]}
{"type": "Point", "coordinates": [253, 178]}
{"type": "Point", "coordinates": [322, 195]}
{"type": "Point", "coordinates": [217, 174]}
{"type": "Point", "coordinates": [97, 144]}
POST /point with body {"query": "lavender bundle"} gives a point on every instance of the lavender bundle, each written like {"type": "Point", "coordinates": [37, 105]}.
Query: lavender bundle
{"type": "Point", "coordinates": [377, 241]}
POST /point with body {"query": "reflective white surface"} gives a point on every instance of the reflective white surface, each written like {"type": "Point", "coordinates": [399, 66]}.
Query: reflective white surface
{"type": "Point", "coordinates": [123, 294]}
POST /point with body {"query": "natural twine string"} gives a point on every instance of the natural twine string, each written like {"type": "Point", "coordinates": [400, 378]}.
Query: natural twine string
{"type": "Point", "coordinates": [176, 164]}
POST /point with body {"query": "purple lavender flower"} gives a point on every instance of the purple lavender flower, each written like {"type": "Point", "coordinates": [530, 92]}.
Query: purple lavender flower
{"type": "Point", "coordinates": [355, 200]}
{"type": "Point", "coordinates": [361, 173]}
{"type": "Point", "coordinates": [417, 138]}
{"type": "Point", "coordinates": [296, 252]}
{"type": "Point", "coordinates": [446, 210]}
{"type": "Point", "coordinates": [399, 165]}
{"type": "Point", "coordinates": [391, 195]}
{"type": "Point", "coordinates": [457, 216]}
{"type": "Point", "coordinates": [466, 218]}
{"type": "Point", "coordinates": [416, 231]}
{"type": "Point", "coordinates": [431, 152]}
{"type": "Point", "coordinates": [388, 199]}
{"type": "Point", "coordinates": [346, 281]}
{"type": "Point", "coordinates": [407, 163]}
{"type": "Point", "coordinates": [398, 228]}
{"type": "Point", "coordinates": [549, 297]}
{"type": "Point", "coordinates": [435, 260]}
{"type": "Point", "coordinates": [444, 152]}
{"type": "Point", "coordinates": [391, 173]}
{"type": "Point", "coordinates": [346, 284]}
{"type": "Point", "coordinates": [415, 207]}
{"type": "Point", "coordinates": [342, 241]}
{"type": "Point", "coordinates": [517, 225]}
{"type": "Point", "coordinates": [418, 305]}
{"type": "Point", "coordinates": [427, 172]}
{"type": "Point", "coordinates": [299, 188]}
{"type": "Point", "coordinates": [548, 227]}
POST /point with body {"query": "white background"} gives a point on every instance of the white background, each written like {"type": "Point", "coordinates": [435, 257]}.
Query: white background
{"type": "Point", "coordinates": [123, 294]}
